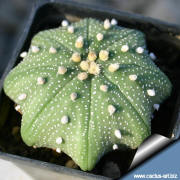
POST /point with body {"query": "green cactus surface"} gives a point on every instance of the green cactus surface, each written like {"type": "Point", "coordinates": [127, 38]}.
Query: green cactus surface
{"type": "Point", "coordinates": [87, 88]}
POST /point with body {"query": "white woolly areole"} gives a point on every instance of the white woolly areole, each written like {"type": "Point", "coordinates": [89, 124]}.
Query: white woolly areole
{"type": "Point", "coordinates": [99, 36]}
{"type": "Point", "coordinates": [140, 50]}
{"type": "Point", "coordinates": [71, 29]}
{"type": "Point", "coordinates": [40, 80]}
{"type": "Point", "coordinates": [113, 67]}
{"type": "Point", "coordinates": [132, 77]}
{"type": "Point", "coordinates": [22, 96]}
{"type": "Point", "coordinates": [92, 56]}
{"type": "Point", "coordinates": [73, 96]}
{"type": "Point", "coordinates": [124, 48]}
{"type": "Point", "coordinates": [104, 88]}
{"type": "Point", "coordinates": [103, 55]}
{"type": "Point", "coordinates": [117, 133]}
{"type": "Point", "coordinates": [64, 23]}
{"type": "Point", "coordinates": [17, 108]}
{"type": "Point", "coordinates": [114, 22]}
{"type": "Point", "coordinates": [107, 24]}
{"type": "Point", "coordinates": [94, 68]}
{"type": "Point", "coordinates": [151, 92]}
{"type": "Point", "coordinates": [59, 140]}
{"type": "Point", "coordinates": [152, 56]}
{"type": "Point", "coordinates": [64, 120]}
{"type": "Point", "coordinates": [58, 150]}
{"type": "Point", "coordinates": [79, 42]}
{"type": "Point", "coordinates": [35, 49]}
{"type": "Point", "coordinates": [156, 106]}
{"type": "Point", "coordinates": [115, 146]}
{"type": "Point", "coordinates": [82, 76]}
{"type": "Point", "coordinates": [76, 57]}
{"type": "Point", "coordinates": [111, 109]}
{"type": "Point", "coordinates": [62, 70]}
{"type": "Point", "coordinates": [84, 65]}
{"type": "Point", "coordinates": [23, 54]}
{"type": "Point", "coordinates": [52, 50]}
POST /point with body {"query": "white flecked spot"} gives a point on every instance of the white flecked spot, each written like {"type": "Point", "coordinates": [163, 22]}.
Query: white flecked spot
{"type": "Point", "coordinates": [151, 92]}
{"type": "Point", "coordinates": [117, 133]}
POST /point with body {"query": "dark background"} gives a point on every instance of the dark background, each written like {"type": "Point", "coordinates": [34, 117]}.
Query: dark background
{"type": "Point", "coordinates": [13, 14]}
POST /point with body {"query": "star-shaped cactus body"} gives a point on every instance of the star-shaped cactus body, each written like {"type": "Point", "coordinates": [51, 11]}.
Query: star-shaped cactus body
{"type": "Point", "coordinates": [86, 89]}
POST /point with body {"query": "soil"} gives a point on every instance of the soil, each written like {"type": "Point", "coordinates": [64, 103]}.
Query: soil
{"type": "Point", "coordinates": [166, 48]}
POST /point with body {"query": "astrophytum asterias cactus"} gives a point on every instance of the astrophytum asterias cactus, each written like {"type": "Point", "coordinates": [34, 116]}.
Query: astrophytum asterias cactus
{"type": "Point", "coordinates": [86, 89]}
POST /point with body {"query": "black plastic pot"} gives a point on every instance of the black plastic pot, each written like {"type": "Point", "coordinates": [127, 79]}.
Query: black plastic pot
{"type": "Point", "coordinates": [162, 39]}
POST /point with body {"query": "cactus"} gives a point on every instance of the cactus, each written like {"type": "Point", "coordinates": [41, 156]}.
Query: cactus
{"type": "Point", "coordinates": [86, 89]}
